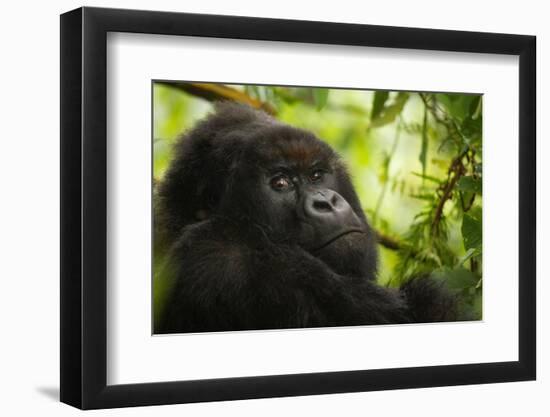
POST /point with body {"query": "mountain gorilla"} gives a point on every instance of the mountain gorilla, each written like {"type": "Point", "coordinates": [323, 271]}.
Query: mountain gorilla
{"type": "Point", "coordinates": [266, 231]}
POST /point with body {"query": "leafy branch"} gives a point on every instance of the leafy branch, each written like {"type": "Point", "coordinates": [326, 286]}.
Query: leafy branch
{"type": "Point", "coordinates": [456, 170]}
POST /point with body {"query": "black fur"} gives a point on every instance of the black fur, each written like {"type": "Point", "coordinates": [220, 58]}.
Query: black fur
{"type": "Point", "coordinates": [237, 251]}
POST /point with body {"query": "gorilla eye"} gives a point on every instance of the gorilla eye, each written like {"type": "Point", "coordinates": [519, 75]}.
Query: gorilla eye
{"type": "Point", "coordinates": [281, 183]}
{"type": "Point", "coordinates": [317, 176]}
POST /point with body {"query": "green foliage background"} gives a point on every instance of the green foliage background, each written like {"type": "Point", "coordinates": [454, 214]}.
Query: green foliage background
{"type": "Point", "coordinates": [415, 160]}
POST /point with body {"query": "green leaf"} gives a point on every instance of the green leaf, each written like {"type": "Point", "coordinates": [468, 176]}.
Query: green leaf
{"type": "Point", "coordinates": [389, 113]}
{"type": "Point", "coordinates": [476, 213]}
{"type": "Point", "coordinates": [285, 94]}
{"type": "Point", "coordinates": [471, 232]}
{"type": "Point", "coordinates": [379, 100]}
{"type": "Point", "coordinates": [459, 105]}
{"type": "Point", "coordinates": [427, 197]}
{"type": "Point", "coordinates": [476, 108]}
{"type": "Point", "coordinates": [320, 96]}
{"type": "Point", "coordinates": [470, 184]}
{"type": "Point", "coordinates": [469, 253]}
{"type": "Point", "coordinates": [471, 130]}
{"type": "Point", "coordinates": [427, 177]}
{"type": "Point", "coordinates": [384, 172]}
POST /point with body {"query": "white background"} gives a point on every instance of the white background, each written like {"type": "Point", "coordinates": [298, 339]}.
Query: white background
{"type": "Point", "coordinates": [134, 356]}
{"type": "Point", "coordinates": [29, 212]}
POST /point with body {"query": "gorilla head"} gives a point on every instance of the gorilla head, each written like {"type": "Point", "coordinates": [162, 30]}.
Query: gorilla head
{"type": "Point", "coordinates": [266, 231]}
{"type": "Point", "coordinates": [274, 180]}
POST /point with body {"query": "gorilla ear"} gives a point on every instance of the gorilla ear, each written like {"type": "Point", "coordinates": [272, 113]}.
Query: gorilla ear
{"type": "Point", "coordinates": [183, 195]}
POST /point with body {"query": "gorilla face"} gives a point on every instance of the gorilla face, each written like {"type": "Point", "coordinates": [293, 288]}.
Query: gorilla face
{"type": "Point", "coordinates": [301, 194]}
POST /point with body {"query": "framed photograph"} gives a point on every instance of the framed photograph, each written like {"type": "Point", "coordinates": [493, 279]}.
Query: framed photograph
{"type": "Point", "coordinates": [257, 208]}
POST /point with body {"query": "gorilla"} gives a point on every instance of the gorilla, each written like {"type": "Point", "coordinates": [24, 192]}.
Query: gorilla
{"type": "Point", "coordinates": [264, 230]}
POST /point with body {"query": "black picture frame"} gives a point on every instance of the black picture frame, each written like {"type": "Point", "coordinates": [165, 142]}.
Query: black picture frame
{"type": "Point", "coordinates": [84, 207]}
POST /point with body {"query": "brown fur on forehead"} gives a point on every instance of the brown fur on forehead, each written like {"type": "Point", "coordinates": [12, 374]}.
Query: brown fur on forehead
{"type": "Point", "coordinates": [296, 147]}
{"type": "Point", "coordinates": [302, 153]}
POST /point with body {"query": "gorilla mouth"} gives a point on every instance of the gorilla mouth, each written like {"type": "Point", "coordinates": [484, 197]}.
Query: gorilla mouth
{"type": "Point", "coordinates": [337, 236]}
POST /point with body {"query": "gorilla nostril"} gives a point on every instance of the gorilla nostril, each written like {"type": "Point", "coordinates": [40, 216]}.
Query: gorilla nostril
{"type": "Point", "coordinates": [322, 206]}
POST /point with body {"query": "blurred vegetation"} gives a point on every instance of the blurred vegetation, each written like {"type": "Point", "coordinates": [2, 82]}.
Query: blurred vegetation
{"type": "Point", "coordinates": [415, 160]}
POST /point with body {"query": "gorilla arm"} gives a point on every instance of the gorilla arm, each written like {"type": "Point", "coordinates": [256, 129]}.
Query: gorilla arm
{"type": "Point", "coordinates": [222, 282]}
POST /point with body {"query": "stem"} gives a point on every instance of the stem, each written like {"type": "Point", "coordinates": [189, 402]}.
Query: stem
{"type": "Point", "coordinates": [386, 173]}
{"type": "Point", "coordinates": [218, 92]}
{"type": "Point", "coordinates": [456, 170]}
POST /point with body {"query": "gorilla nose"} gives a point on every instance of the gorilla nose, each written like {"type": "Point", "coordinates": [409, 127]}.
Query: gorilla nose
{"type": "Point", "coordinates": [330, 216]}
{"type": "Point", "coordinates": [326, 202]}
